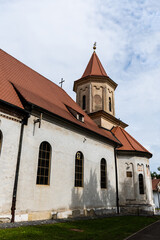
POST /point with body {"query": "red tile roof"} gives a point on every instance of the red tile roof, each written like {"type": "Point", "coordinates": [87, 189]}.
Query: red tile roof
{"type": "Point", "coordinates": [154, 184]}
{"type": "Point", "coordinates": [128, 142]}
{"type": "Point", "coordinates": [94, 67]}
{"type": "Point", "coordinates": [40, 91]}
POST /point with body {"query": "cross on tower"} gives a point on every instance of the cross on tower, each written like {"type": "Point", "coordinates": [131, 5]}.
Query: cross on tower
{"type": "Point", "coordinates": [94, 46]}
{"type": "Point", "coordinates": [61, 82]}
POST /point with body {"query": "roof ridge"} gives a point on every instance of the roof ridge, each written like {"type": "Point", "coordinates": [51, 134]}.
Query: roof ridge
{"type": "Point", "coordinates": [127, 138]}
{"type": "Point", "coordinates": [136, 141]}
{"type": "Point", "coordinates": [91, 63]}
{"type": "Point", "coordinates": [114, 134]}
{"type": "Point", "coordinates": [100, 65]}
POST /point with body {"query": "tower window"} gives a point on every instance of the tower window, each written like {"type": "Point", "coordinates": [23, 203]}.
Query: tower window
{"type": "Point", "coordinates": [110, 105]}
{"type": "Point", "coordinates": [103, 173]}
{"type": "Point", "coordinates": [44, 158]}
{"type": "Point", "coordinates": [84, 102]}
{"type": "Point", "coordinates": [79, 169]}
{"type": "Point", "coordinates": [141, 184]}
{"type": "Point", "coordinates": [0, 140]}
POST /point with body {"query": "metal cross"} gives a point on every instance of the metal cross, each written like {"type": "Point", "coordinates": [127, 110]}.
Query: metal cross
{"type": "Point", "coordinates": [94, 46]}
{"type": "Point", "coordinates": [61, 82]}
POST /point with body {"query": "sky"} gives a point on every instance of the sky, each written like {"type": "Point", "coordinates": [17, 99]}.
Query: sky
{"type": "Point", "coordinates": [55, 38]}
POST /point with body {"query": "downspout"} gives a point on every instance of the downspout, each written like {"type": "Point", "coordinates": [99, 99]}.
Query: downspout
{"type": "Point", "coordinates": [13, 207]}
{"type": "Point", "coordinates": [158, 199]}
{"type": "Point", "coordinates": [116, 173]}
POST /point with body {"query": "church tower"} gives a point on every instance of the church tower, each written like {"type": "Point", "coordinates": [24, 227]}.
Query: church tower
{"type": "Point", "coordinates": [95, 94]}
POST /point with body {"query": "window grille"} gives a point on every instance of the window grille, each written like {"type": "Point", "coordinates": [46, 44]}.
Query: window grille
{"type": "Point", "coordinates": [103, 173]}
{"type": "Point", "coordinates": [79, 169]}
{"type": "Point", "coordinates": [43, 172]}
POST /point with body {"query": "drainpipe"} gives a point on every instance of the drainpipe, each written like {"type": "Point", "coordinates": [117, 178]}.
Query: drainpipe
{"type": "Point", "coordinates": [116, 173]}
{"type": "Point", "coordinates": [13, 207]}
{"type": "Point", "coordinates": [158, 199]}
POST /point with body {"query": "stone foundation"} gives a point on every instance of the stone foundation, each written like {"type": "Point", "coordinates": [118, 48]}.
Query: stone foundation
{"type": "Point", "coordinates": [137, 210]}
{"type": "Point", "coordinates": [78, 213]}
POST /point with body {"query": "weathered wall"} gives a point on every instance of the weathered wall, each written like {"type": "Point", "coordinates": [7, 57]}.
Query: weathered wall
{"type": "Point", "coordinates": [8, 159]}
{"type": "Point", "coordinates": [61, 195]}
{"type": "Point", "coordinates": [156, 197]}
{"type": "Point", "coordinates": [129, 186]}
{"type": "Point", "coordinates": [97, 96]}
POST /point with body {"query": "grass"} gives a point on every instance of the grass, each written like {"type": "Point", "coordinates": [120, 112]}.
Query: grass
{"type": "Point", "coordinates": [115, 228]}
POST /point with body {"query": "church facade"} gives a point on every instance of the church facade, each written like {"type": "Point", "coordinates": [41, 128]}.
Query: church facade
{"type": "Point", "coordinates": [61, 159]}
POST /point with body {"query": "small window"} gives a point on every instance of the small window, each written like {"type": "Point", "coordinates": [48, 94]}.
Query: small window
{"type": "Point", "coordinates": [129, 174]}
{"type": "Point", "coordinates": [76, 114]}
{"type": "Point", "coordinates": [141, 184]}
{"type": "Point", "coordinates": [79, 169]}
{"type": "Point", "coordinates": [110, 105]}
{"type": "Point", "coordinates": [80, 117]}
{"type": "Point", "coordinates": [84, 102]}
{"type": "Point", "coordinates": [43, 172]}
{"type": "Point", "coordinates": [103, 173]}
{"type": "Point", "coordinates": [1, 137]}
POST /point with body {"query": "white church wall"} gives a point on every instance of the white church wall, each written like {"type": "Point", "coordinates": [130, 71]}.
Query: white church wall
{"type": "Point", "coordinates": [61, 195]}
{"type": "Point", "coordinates": [8, 159]}
{"type": "Point", "coordinates": [156, 197]}
{"type": "Point", "coordinates": [129, 186]}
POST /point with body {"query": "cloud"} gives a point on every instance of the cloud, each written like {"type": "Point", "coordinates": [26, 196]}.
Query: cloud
{"type": "Point", "coordinates": [56, 37]}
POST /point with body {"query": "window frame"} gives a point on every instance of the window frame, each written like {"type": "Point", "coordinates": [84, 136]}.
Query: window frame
{"type": "Point", "coordinates": [105, 174]}
{"type": "Point", "coordinates": [110, 104]}
{"type": "Point", "coordinates": [141, 183]}
{"type": "Point", "coordinates": [78, 173]}
{"type": "Point", "coordinates": [1, 140]}
{"type": "Point", "coordinates": [41, 166]}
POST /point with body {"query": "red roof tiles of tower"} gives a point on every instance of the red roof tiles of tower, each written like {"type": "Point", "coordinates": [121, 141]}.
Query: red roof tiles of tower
{"type": "Point", "coordinates": [128, 142]}
{"type": "Point", "coordinates": [94, 67]}
{"type": "Point", "coordinates": [41, 92]}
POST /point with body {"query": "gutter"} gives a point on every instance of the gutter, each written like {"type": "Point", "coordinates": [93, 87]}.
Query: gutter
{"type": "Point", "coordinates": [116, 174]}
{"type": "Point", "coordinates": [13, 207]}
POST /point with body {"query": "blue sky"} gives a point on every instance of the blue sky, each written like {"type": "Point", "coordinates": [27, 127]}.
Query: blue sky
{"type": "Point", "coordinates": [55, 38]}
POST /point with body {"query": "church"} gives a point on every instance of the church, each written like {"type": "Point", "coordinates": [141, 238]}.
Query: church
{"type": "Point", "coordinates": [63, 159]}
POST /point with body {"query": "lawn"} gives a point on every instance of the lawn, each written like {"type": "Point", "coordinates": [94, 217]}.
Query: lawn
{"type": "Point", "coordinates": [115, 228]}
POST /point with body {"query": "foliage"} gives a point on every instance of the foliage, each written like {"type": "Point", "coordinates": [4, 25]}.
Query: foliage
{"type": "Point", "coordinates": [155, 175]}
{"type": "Point", "coordinates": [115, 228]}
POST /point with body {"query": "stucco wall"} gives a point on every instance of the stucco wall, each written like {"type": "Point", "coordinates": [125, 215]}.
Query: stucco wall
{"type": "Point", "coordinates": [97, 96]}
{"type": "Point", "coordinates": [129, 186]}
{"type": "Point", "coordinates": [61, 195]}
{"type": "Point", "coordinates": [8, 159]}
{"type": "Point", "coordinates": [156, 197]}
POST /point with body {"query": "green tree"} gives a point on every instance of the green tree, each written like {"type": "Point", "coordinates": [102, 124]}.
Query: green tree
{"type": "Point", "coordinates": [155, 175]}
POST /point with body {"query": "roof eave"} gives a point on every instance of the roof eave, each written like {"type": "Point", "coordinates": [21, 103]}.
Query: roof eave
{"type": "Point", "coordinates": [134, 153]}
{"type": "Point", "coordinates": [95, 78]}
{"type": "Point", "coordinates": [109, 117]}
{"type": "Point", "coordinates": [115, 143]}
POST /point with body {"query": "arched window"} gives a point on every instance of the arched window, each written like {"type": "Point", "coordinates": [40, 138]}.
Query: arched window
{"type": "Point", "coordinates": [1, 137]}
{"type": "Point", "coordinates": [110, 104]}
{"type": "Point", "coordinates": [43, 172]}
{"type": "Point", "coordinates": [141, 184]}
{"type": "Point", "coordinates": [103, 173]}
{"type": "Point", "coordinates": [84, 102]}
{"type": "Point", "coordinates": [79, 169]}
